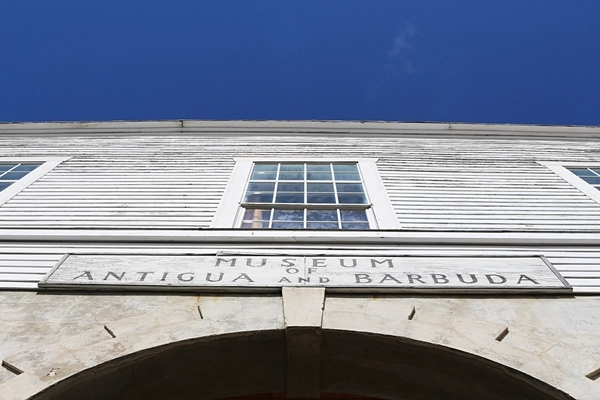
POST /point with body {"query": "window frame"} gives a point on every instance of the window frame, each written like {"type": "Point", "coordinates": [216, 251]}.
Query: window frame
{"type": "Point", "coordinates": [561, 169]}
{"type": "Point", "coordinates": [46, 165]}
{"type": "Point", "coordinates": [382, 215]}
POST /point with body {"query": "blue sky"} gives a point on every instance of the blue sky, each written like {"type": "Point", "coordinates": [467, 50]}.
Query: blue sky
{"type": "Point", "coordinates": [509, 61]}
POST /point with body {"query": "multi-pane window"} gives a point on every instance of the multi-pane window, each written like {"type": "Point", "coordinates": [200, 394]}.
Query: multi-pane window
{"type": "Point", "coordinates": [590, 175]}
{"type": "Point", "coordinates": [12, 172]}
{"type": "Point", "coordinates": [305, 196]}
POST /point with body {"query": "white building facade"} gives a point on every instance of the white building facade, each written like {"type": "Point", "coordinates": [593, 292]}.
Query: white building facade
{"type": "Point", "coordinates": [214, 259]}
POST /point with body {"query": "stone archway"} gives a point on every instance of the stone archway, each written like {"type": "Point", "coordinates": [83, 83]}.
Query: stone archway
{"type": "Point", "coordinates": [303, 344]}
{"type": "Point", "coordinates": [354, 363]}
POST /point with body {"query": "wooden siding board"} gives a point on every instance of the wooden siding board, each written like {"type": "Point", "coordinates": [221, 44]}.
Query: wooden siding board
{"type": "Point", "coordinates": [176, 182]}
{"type": "Point", "coordinates": [34, 261]}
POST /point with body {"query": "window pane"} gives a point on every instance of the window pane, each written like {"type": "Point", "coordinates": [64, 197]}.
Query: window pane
{"type": "Point", "coordinates": [322, 225]}
{"type": "Point", "coordinates": [582, 172]}
{"type": "Point", "coordinates": [319, 176]}
{"type": "Point", "coordinates": [6, 167]}
{"type": "Point", "coordinates": [349, 187]}
{"type": "Point", "coordinates": [261, 187]}
{"type": "Point", "coordinates": [320, 187]}
{"type": "Point", "coordinates": [292, 168]}
{"type": "Point", "coordinates": [345, 168]}
{"type": "Point", "coordinates": [258, 197]}
{"type": "Point", "coordinates": [287, 225]}
{"type": "Point", "coordinates": [252, 214]}
{"type": "Point", "coordinates": [347, 177]}
{"type": "Point", "coordinates": [320, 198]}
{"type": "Point", "coordinates": [352, 198]}
{"type": "Point", "coordinates": [13, 176]}
{"type": "Point", "coordinates": [318, 172]}
{"type": "Point", "coordinates": [321, 215]}
{"type": "Point", "coordinates": [354, 225]}
{"type": "Point", "coordinates": [26, 167]}
{"type": "Point", "coordinates": [290, 187]}
{"type": "Point", "coordinates": [255, 224]}
{"type": "Point", "coordinates": [289, 198]}
{"type": "Point", "coordinates": [354, 216]}
{"type": "Point", "coordinates": [291, 176]}
{"type": "Point", "coordinates": [265, 167]}
{"type": "Point", "coordinates": [288, 215]}
{"type": "Point", "coordinates": [591, 180]}
{"type": "Point", "coordinates": [318, 168]}
{"type": "Point", "coordinates": [263, 176]}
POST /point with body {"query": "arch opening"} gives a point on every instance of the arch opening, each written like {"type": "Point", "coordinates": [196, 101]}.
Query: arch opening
{"type": "Point", "coordinates": [353, 363]}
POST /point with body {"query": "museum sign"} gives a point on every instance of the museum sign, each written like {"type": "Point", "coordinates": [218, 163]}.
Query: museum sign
{"type": "Point", "coordinates": [349, 273]}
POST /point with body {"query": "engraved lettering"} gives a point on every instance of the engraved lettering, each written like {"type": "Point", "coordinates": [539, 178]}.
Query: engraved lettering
{"type": "Point", "coordinates": [490, 278]}
{"type": "Point", "coordinates": [525, 277]}
{"type": "Point", "coordinates": [289, 262]}
{"type": "Point", "coordinates": [363, 278]}
{"type": "Point", "coordinates": [243, 276]}
{"type": "Point", "coordinates": [319, 262]}
{"type": "Point", "coordinates": [473, 279]}
{"type": "Point", "coordinates": [143, 275]}
{"type": "Point", "coordinates": [219, 260]}
{"type": "Point", "coordinates": [387, 260]}
{"type": "Point", "coordinates": [439, 278]}
{"type": "Point", "coordinates": [87, 274]}
{"type": "Point", "coordinates": [209, 277]}
{"type": "Point", "coordinates": [414, 277]}
{"type": "Point", "coordinates": [343, 263]}
{"type": "Point", "coordinates": [388, 277]}
{"type": "Point", "coordinates": [249, 263]}
{"type": "Point", "coordinates": [117, 277]}
{"type": "Point", "coordinates": [183, 278]}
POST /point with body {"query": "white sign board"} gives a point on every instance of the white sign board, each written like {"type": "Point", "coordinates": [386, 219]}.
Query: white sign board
{"type": "Point", "coordinates": [350, 273]}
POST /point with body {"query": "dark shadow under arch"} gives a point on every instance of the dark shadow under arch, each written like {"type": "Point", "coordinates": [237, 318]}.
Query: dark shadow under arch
{"type": "Point", "coordinates": [255, 362]}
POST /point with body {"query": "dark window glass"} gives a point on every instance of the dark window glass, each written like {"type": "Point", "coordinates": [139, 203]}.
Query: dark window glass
{"type": "Point", "coordinates": [582, 172]}
{"type": "Point", "coordinates": [293, 190]}
{"type": "Point", "coordinates": [592, 180]}
{"type": "Point", "coordinates": [354, 216]}
{"type": "Point", "coordinates": [321, 215]}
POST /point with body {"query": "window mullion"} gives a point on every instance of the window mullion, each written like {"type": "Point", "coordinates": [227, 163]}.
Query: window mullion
{"type": "Point", "coordinates": [333, 180]}
{"type": "Point", "coordinates": [305, 223]}
{"type": "Point", "coordinates": [276, 188]}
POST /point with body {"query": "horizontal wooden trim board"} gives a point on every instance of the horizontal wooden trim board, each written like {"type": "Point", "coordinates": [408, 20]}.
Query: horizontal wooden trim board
{"type": "Point", "coordinates": [583, 281]}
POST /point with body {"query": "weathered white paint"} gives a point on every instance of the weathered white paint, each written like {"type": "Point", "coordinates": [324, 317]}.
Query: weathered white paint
{"type": "Point", "coordinates": [552, 339]}
{"type": "Point", "coordinates": [37, 261]}
{"type": "Point", "coordinates": [346, 273]}
{"type": "Point", "coordinates": [447, 183]}
{"type": "Point", "coordinates": [48, 163]}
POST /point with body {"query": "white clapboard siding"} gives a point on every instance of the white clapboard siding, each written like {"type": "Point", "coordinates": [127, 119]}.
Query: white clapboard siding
{"type": "Point", "coordinates": [175, 182]}
{"type": "Point", "coordinates": [579, 266]}
{"type": "Point", "coordinates": [23, 270]}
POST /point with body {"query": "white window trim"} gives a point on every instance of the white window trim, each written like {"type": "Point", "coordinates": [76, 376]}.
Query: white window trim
{"type": "Point", "coordinates": [560, 169]}
{"type": "Point", "coordinates": [382, 209]}
{"type": "Point", "coordinates": [48, 163]}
